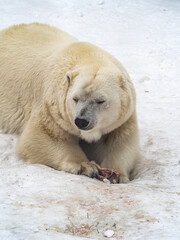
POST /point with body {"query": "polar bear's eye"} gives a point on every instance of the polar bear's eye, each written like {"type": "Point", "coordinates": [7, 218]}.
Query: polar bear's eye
{"type": "Point", "coordinates": [76, 99]}
{"type": "Point", "coordinates": [100, 101]}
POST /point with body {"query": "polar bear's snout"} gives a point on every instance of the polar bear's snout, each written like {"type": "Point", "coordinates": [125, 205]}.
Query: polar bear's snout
{"type": "Point", "coordinates": [82, 123]}
{"type": "Point", "coordinates": [85, 118]}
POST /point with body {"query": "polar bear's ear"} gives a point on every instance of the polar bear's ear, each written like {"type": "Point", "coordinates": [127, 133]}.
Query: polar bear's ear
{"type": "Point", "coordinates": [69, 77]}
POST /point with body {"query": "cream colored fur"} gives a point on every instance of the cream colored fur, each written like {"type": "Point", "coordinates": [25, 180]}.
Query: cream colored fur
{"type": "Point", "coordinates": [42, 70]}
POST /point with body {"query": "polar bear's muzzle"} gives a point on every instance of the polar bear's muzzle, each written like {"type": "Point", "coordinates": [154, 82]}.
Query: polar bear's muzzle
{"type": "Point", "coordinates": [83, 124]}
{"type": "Point", "coordinates": [85, 118]}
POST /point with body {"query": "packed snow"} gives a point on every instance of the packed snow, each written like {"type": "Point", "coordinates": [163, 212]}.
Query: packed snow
{"type": "Point", "coordinates": [37, 202]}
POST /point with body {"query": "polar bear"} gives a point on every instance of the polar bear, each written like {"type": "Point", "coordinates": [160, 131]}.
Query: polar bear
{"type": "Point", "coordinates": [72, 104]}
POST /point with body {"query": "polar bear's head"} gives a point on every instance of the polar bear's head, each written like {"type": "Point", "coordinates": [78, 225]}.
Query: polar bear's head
{"type": "Point", "coordinates": [98, 100]}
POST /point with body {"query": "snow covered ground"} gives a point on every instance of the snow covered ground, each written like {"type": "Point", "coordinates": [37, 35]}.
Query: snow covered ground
{"type": "Point", "coordinates": [37, 202]}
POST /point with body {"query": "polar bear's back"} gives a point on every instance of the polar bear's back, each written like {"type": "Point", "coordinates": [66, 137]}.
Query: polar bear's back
{"type": "Point", "coordinates": [35, 35]}
{"type": "Point", "coordinates": [22, 50]}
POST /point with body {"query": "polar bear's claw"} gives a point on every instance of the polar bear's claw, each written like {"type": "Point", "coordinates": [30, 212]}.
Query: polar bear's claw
{"type": "Point", "coordinates": [90, 169]}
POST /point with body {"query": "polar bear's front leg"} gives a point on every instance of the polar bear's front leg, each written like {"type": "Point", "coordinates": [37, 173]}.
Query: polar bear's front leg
{"type": "Point", "coordinates": [122, 149]}
{"type": "Point", "coordinates": [36, 146]}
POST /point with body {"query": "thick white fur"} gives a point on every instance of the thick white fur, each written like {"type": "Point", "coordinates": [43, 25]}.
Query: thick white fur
{"type": "Point", "coordinates": [41, 70]}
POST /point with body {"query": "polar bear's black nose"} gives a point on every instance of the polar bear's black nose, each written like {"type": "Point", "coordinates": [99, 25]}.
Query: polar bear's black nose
{"type": "Point", "coordinates": [81, 123]}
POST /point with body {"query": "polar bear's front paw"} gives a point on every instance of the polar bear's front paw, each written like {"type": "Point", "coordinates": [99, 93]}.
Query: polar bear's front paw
{"type": "Point", "coordinates": [123, 179]}
{"type": "Point", "coordinates": [90, 169]}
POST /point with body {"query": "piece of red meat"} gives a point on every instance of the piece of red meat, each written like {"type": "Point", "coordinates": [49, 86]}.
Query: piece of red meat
{"type": "Point", "coordinates": [111, 175]}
